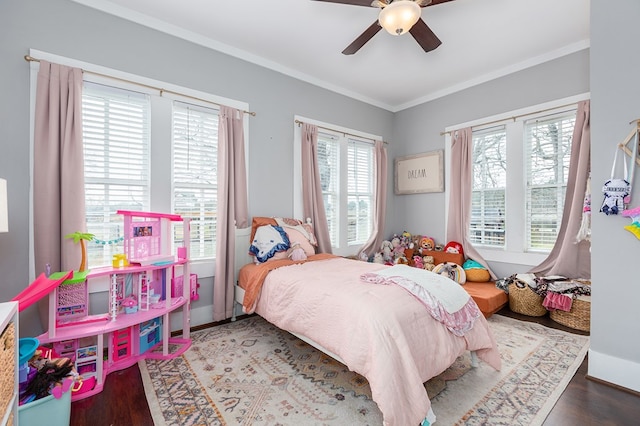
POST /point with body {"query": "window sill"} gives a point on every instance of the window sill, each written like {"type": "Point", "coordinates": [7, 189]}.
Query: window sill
{"type": "Point", "coordinates": [505, 256]}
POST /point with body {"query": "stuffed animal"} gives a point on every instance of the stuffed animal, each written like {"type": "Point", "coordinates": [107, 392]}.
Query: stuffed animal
{"type": "Point", "coordinates": [453, 247]}
{"type": "Point", "coordinates": [402, 260]}
{"type": "Point", "coordinates": [386, 248]}
{"type": "Point", "coordinates": [426, 244]}
{"type": "Point", "coordinates": [451, 270]}
{"type": "Point", "coordinates": [475, 271]}
{"type": "Point", "coordinates": [405, 240]}
{"type": "Point", "coordinates": [428, 263]}
{"type": "Point", "coordinates": [377, 258]}
{"type": "Point", "coordinates": [415, 243]}
{"type": "Point", "coordinates": [297, 253]}
{"type": "Point", "coordinates": [417, 262]}
{"type": "Point", "coordinates": [398, 250]}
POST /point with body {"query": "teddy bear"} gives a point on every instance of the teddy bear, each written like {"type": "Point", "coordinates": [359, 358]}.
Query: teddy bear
{"type": "Point", "coordinates": [428, 263]}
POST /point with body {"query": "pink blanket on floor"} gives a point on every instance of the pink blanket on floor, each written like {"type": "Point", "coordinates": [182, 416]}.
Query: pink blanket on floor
{"type": "Point", "coordinates": [381, 332]}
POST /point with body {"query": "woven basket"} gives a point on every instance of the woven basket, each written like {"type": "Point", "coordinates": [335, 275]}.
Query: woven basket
{"type": "Point", "coordinates": [7, 363]}
{"type": "Point", "coordinates": [525, 301]}
{"type": "Point", "coordinates": [579, 317]}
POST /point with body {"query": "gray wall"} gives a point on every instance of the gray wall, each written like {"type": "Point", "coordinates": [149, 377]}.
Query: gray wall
{"type": "Point", "coordinates": [68, 29]}
{"type": "Point", "coordinates": [614, 355]}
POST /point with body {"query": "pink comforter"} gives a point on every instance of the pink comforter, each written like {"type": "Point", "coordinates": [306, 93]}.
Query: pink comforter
{"type": "Point", "coordinates": [381, 332]}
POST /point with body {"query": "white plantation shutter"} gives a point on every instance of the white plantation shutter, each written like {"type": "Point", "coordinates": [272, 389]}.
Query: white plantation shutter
{"type": "Point", "coordinates": [195, 181]}
{"type": "Point", "coordinates": [359, 191]}
{"type": "Point", "coordinates": [347, 178]}
{"type": "Point", "coordinates": [329, 167]}
{"type": "Point", "coordinates": [547, 154]}
{"type": "Point", "coordinates": [488, 202]}
{"type": "Point", "coordinates": [116, 138]}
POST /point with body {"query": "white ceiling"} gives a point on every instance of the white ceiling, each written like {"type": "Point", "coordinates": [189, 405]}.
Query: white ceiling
{"type": "Point", "coordinates": [481, 40]}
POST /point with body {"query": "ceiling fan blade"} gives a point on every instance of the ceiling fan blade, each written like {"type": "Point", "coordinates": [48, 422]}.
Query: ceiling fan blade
{"type": "Point", "coordinates": [435, 2]}
{"type": "Point", "coordinates": [352, 2]}
{"type": "Point", "coordinates": [362, 39]}
{"type": "Point", "coordinates": [424, 36]}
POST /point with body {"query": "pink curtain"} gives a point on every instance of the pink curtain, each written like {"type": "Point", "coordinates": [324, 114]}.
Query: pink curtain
{"type": "Point", "coordinates": [58, 177]}
{"type": "Point", "coordinates": [568, 257]}
{"type": "Point", "coordinates": [312, 201]}
{"type": "Point", "coordinates": [460, 194]}
{"type": "Point", "coordinates": [232, 206]}
{"type": "Point", "coordinates": [380, 201]}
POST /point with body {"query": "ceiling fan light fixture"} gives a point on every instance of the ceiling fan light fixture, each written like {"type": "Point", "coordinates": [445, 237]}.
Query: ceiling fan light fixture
{"type": "Point", "coordinates": [398, 17]}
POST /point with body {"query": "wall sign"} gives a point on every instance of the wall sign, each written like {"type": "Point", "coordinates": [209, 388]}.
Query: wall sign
{"type": "Point", "coordinates": [420, 173]}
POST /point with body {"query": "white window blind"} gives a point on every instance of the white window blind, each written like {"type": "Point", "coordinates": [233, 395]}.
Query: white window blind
{"type": "Point", "coordinates": [346, 169]}
{"type": "Point", "coordinates": [329, 169]}
{"type": "Point", "coordinates": [359, 191]}
{"type": "Point", "coordinates": [547, 154]}
{"type": "Point", "coordinates": [116, 138]}
{"type": "Point", "coordinates": [488, 197]}
{"type": "Point", "coordinates": [195, 180]}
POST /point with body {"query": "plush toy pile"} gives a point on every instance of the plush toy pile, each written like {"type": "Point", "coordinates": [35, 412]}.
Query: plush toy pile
{"type": "Point", "coordinates": [417, 251]}
{"type": "Point", "coordinates": [411, 250]}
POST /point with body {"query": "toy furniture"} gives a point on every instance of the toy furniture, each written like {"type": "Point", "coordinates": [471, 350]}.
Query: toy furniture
{"type": "Point", "coordinates": [140, 303]}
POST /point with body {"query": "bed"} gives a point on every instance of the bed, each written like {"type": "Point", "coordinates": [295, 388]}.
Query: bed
{"type": "Point", "coordinates": [382, 332]}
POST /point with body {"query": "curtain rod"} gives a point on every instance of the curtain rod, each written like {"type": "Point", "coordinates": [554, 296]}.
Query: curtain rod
{"type": "Point", "coordinates": [298, 122]}
{"type": "Point", "coordinates": [29, 58]}
{"type": "Point", "coordinates": [513, 118]}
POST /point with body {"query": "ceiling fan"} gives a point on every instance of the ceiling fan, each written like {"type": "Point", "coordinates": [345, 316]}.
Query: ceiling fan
{"type": "Point", "coordinates": [397, 17]}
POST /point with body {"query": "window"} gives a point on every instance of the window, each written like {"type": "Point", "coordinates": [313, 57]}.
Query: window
{"type": "Point", "coordinates": [147, 149]}
{"type": "Point", "coordinates": [116, 137]}
{"type": "Point", "coordinates": [118, 149]}
{"type": "Point", "coordinates": [487, 226]}
{"type": "Point", "coordinates": [548, 152]}
{"type": "Point", "coordinates": [195, 154]}
{"type": "Point", "coordinates": [346, 166]}
{"type": "Point", "coordinates": [348, 196]}
{"type": "Point", "coordinates": [520, 170]}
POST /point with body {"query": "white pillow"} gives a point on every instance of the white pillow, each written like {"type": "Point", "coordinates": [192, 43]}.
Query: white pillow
{"type": "Point", "coordinates": [267, 241]}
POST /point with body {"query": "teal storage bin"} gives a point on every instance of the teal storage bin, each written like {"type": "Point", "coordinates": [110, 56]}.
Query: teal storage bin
{"type": "Point", "coordinates": [47, 411]}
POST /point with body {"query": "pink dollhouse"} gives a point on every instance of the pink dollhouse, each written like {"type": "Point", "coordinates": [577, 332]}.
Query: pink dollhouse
{"type": "Point", "coordinates": [142, 296]}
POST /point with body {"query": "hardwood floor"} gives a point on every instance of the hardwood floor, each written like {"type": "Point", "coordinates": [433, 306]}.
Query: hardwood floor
{"type": "Point", "coordinates": [584, 402]}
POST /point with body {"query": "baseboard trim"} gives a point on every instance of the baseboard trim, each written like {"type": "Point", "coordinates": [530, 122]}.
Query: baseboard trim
{"type": "Point", "coordinates": [612, 385]}
{"type": "Point", "coordinates": [618, 372]}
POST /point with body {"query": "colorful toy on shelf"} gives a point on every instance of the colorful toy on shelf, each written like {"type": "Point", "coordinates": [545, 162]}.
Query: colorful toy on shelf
{"type": "Point", "coordinates": [81, 237]}
{"type": "Point", "coordinates": [101, 343]}
{"type": "Point", "coordinates": [130, 305]}
{"type": "Point", "coordinates": [119, 260]}
{"type": "Point", "coordinates": [146, 237]}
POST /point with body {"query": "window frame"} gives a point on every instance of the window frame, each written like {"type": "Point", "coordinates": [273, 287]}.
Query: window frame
{"type": "Point", "coordinates": [160, 171]}
{"type": "Point", "coordinates": [515, 244]}
{"type": "Point", "coordinates": [342, 133]}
